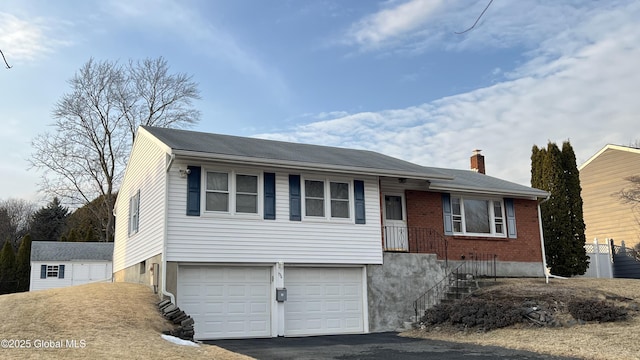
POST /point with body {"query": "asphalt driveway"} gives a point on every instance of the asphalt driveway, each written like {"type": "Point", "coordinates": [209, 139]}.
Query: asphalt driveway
{"type": "Point", "coordinates": [378, 346]}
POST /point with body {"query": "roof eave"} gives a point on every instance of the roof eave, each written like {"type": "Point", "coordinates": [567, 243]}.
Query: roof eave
{"type": "Point", "coordinates": [533, 195]}
{"type": "Point", "coordinates": [605, 148]}
{"type": "Point", "coordinates": [196, 155]}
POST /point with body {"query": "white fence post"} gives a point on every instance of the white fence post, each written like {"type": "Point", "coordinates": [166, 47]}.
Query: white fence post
{"type": "Point", "coordinates": [596, 252]}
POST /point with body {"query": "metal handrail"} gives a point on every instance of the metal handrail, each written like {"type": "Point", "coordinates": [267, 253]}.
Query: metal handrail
{"type": "Point", "coordinates": [415, 240]}
{"type": "Point", "coordinates": [477, 265]}
{"type": "Point", "coordinates": [435, 294]}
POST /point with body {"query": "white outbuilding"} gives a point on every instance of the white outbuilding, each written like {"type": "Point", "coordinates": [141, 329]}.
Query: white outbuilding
{"type": "Point", "coordinates": [58, 264]}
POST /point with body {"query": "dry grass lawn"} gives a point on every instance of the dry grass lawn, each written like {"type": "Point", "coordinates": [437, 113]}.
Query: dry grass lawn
{"type": "Point", "coordinates": [115, 321]}
{"type": "Point", "coordinates": [617, 340]}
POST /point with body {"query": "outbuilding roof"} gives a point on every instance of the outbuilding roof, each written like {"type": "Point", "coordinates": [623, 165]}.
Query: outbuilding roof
{"type": "Point", "coordinates": [70, 251]}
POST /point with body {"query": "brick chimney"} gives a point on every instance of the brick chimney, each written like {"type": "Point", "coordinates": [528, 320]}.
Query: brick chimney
{"type": "Point", "coordinates": [477, 162]}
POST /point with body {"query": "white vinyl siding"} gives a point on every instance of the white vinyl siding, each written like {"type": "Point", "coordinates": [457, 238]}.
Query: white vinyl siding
{"type": "Point", "coordinates": [146, 174]}
{"type": "Point", "coordinates": [224, 238]}
{"type": "Point", "coordinates": [605, 215]}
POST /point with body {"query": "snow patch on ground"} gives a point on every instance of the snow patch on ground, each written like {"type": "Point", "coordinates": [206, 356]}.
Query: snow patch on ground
{"type": "Point", "coordinates": [179, 341]}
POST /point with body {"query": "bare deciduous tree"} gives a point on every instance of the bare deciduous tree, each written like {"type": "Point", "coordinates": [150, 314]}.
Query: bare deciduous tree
{"type": "Point", "coordinates": [15, 217]}
{"type": "Point", "coordinates": [84, 157]}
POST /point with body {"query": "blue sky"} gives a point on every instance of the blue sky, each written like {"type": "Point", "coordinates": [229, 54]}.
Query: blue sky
{"type": "Point", "coordinates": [390, 76]}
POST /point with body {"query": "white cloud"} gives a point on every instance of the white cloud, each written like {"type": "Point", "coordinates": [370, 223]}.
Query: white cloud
{"type": "Point", "coordinates": [417, 26]}
{"type": "Point", "coordinates": [27, 40]}
{"type": "Point", "coordinates": [389, 23]}
{"type": "Point", "coordinates": [585, 92]}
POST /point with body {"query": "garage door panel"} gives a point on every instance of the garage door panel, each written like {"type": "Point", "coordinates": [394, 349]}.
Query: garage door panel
{"type": "Point", "coordinates": [259, 308]}
{"type": "Point", "coordinates": [237, 290]}
{"type": "Point", "coordinates": [213, 290]}
{"type": "Point", "coordinates": [323, 301]}
{"type": "Point", "coordinates": [352, 306]}
{"type": "Point", "coordinates": [226, 302]}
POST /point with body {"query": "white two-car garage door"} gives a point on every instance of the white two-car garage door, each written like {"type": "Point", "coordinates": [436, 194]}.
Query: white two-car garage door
{"type": "Point", "coordinates": [236, 301]}
{"type": "Point", "coordinates": [323, 301]}
{"type": "Point", "coordinates": [226, 302]}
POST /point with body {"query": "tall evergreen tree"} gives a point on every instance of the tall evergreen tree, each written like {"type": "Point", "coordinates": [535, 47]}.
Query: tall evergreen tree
{"type": "Point", "coordinates": [572, 176]}
{"type": "Point", "coordinates": [23, 264]}
{"type": "Point", "coordinates": [48, 223]}
{"type": "Point", "coordinates": [555, 171]}
{"type": "Point", "coordinates": [7, 269]}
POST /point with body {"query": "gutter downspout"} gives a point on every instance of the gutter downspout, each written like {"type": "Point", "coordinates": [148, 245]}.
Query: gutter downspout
{"type": "Point", "coordinates": [547, 273]}
{"type": "Point", "coordinates": [164, 240]}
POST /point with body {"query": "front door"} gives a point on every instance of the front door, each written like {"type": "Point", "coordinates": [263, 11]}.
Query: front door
{"type": "Point", "coordinates": [395, 223]}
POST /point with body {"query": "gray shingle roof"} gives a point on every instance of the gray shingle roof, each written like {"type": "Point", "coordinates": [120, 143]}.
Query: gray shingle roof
{"type": "Point", "coordinates": [68, 251]}
{"type": "Point", "coordinates": [471, 181]}
{"type": "Point", "coordinates": [283, 153]}
{"type": "Point", "coordinates": [216, 146]}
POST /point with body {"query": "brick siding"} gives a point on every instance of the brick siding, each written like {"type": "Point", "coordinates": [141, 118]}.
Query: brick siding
{"type": "Point", "coordinates": [424, 209]}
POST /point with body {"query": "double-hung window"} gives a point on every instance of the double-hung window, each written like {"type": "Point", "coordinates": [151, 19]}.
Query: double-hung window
{"type": "Point", "coordinates": [339, 199]}
{"type": "Point", "coordinates": [217, 191]}
{"type": "Point", "coordinates": [314, 198]}
{"type": "Point", "coordinates": [477, 216]}
{"type": "Point", "coordinates": [322, 197]}
{"type": "Point", "coordinates": [231, 192]}
{"type": "Point", "coordinates": [134, 213]}
{"type": "Point", "coordinates": [247, 194]}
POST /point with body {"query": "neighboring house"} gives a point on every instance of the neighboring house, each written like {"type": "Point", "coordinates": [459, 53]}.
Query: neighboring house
{"type": "Point", "coordinates": [58, 264]}
{"type": "Point", "coordinates": [602, 177]}
{"type": "Point", "coordinates": [227, 223]}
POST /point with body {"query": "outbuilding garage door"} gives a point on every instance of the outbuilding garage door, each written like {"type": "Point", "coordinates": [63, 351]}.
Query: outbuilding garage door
{"type": "Point", "coordinates": [226, 302]}
{"type": "Point", "coordinates": [323, 301]}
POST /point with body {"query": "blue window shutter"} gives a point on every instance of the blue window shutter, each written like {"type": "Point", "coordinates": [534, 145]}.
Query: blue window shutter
{"type": "Point", "coordinates": [193, 191]}
{"type": "Point", "coordinates": [295, 207]}
{"type": "Point", "coordinates": [61, 272]}
{"type": "Point", "coordinates": [269, 196]}
{"type": "Point", "coordinates": [446, 213]}
{"type": "Point", "coordinates": [511, 218]}
{"type": "Point", "coordinates": [358, 189]}
{"type": "Point", "coordinates": [43, 271]}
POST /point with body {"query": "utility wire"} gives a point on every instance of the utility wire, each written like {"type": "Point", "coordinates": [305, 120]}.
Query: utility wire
{"type": "Point", "coordinates": [478, 19]}
{"type": "Point", "coordinates": [5, 60]}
